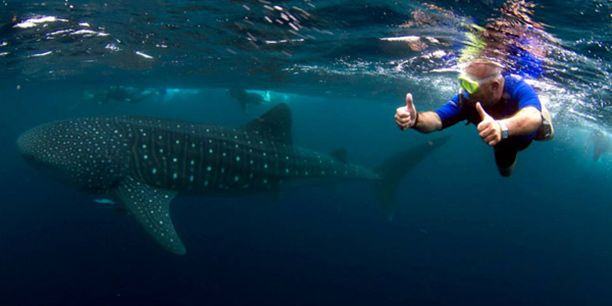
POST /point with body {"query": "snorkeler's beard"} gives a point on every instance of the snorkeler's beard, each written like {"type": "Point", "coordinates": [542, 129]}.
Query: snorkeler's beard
{"type": "Point", "coordinates": [483, 101]}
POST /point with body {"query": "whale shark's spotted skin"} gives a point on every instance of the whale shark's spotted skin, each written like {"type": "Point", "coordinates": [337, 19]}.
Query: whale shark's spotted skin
{"type": "Point", "coordinates": [145, 161]}
{"type": "Point", "coordinates": [216, 160]}
{"type": "Point", "coordinates": [178, 156]}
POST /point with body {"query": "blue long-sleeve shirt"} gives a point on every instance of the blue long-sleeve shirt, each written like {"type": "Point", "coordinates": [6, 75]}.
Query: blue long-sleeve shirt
{"type": "Point", "coordinates": [517, 95]}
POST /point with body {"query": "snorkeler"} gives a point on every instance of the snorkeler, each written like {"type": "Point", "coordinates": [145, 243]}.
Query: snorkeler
{"type": "Point", "coordinates": [244, 98]}
{"type": "Point", "coordinates": [601, 144]}
{"type": "Point", "coordinates": [123, 94]}
{"type": "Point", "coordinates": [506, 110]}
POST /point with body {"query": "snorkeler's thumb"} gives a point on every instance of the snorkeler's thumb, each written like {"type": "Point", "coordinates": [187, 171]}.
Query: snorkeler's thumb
{"type": "Point", "coordinates": [481, 111]}
{"type": "Point", "coordinates": [409, 104]}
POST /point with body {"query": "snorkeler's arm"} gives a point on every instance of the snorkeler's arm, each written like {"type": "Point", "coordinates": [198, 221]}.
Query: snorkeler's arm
{"type": "Point", "coordinates": [525, 121]}
{"type": "Point", "coordinates": [428, 122]}
{"type": "Point", "coordinates": [407, 117]}
{"type": "Point", "coordinates": [529, 118]}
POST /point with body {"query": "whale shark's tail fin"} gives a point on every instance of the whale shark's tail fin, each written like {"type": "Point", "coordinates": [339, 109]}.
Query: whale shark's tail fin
{"type": "Point", "coordinates": [394, 168]}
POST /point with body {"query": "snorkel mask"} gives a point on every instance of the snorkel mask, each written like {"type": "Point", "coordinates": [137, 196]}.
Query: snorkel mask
{"type": "Point", "coordinates": [471, 85]}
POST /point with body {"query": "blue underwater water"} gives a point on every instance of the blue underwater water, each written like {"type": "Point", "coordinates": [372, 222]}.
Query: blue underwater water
{"type": "Point", "coordinates": [460, 234]}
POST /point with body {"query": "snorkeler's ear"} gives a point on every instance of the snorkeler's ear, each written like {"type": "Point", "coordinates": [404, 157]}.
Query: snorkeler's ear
{"type": "Point", "coordinates": [495, 85]}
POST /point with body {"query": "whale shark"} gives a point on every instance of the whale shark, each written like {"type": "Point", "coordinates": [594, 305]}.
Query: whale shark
{"type": "Point", "coordinates": [143, 163]}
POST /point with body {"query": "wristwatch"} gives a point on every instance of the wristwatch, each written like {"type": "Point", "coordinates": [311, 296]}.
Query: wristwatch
{"type": "Point", "coordinates": [504, 129]}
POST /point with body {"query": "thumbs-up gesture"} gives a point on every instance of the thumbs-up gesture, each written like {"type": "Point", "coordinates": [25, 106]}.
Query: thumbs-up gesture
{"type": "Point", "coordinates": [405, 116]}
{"type": "Point", "coordinates": [488, 129]}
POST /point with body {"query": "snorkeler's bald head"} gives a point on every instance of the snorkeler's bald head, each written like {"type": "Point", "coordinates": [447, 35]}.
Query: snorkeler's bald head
{"type": "Point", "coordinates": [489, 76]}
{"type": "Point", "coordinates": [482, 68]}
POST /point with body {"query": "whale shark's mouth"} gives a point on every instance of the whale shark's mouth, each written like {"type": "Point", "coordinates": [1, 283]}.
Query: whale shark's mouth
{"type": "Point", "coordinates": [31, 149]}
{"type": "Point", "coordinates": [26, 149]}
{"type": "Point", "coordinates": [30, 142]}
{"type": "Point", "coordinates": [22, 143]}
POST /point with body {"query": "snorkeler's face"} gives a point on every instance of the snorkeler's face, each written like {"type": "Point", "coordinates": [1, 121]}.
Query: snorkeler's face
{"type": "Point", "coordinates": [486, 93]}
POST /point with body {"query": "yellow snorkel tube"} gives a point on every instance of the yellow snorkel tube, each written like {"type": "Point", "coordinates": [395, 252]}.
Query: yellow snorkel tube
{"type": "Point", "coordinates": [474, 44]}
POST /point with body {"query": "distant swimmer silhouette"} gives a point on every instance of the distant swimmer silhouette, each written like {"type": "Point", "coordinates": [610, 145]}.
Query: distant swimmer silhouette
{"type": "Point", "coordinates": [601, 144]}
{"type": "Point", "coordinates": [506, 110]}
{"type": "Point", "coordinates": [123, 94]}
{"type": "Point", "coordinates": [244, 98]}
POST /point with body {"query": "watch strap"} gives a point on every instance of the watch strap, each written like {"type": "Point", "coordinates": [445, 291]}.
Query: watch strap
{"type": "Point", "coordinates": [504, 129]}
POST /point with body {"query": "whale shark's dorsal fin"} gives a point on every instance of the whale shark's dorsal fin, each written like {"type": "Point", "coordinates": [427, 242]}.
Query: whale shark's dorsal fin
{"type": "Point", "coordinates": [275, 123]}
{"type": "Point", "coordinates": [151, 207]}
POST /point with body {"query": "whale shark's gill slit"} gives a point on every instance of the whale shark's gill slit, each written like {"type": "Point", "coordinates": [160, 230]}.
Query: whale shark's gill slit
{"type": "Point", "coordinates": [186, 176]}
{"type": "Point", "coordinates": [134, 148]}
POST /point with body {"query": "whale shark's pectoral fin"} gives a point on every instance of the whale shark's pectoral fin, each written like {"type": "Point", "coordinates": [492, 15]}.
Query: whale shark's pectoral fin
{"type": "Point", "coordinates": [151, 207]}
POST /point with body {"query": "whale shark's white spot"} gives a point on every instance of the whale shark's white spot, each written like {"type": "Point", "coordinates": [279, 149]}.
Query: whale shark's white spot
{"type": "Point", "coordinates": [237, 158]}
{"type": "Point", "coordinates": [154, 170]}
{"type": "Point", "coordinates": [209, 168]}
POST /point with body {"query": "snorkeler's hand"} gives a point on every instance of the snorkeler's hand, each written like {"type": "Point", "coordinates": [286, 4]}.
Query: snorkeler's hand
{"type": "Point", "coordinates": [405, 116]}
{"type": "Point", "coordinates": [488, 129]}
